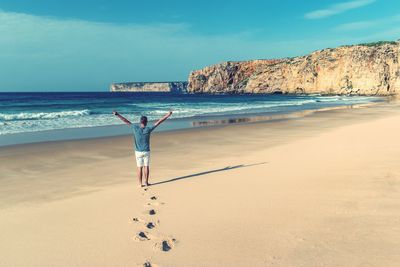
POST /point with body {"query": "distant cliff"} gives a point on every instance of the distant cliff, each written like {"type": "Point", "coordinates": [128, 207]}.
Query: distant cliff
{"type": "Point", "coordinates": [173, 87]}
{"type": "Point", "coordinates": [365, 69]}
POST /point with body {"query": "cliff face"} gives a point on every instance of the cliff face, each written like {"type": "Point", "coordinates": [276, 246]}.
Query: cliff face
{"type": "Point", "coordinates": [371, 69]}
{"type": "Point", "coordinates": [173, 87]}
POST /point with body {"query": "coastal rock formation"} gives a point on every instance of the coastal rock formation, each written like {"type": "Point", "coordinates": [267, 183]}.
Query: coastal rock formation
{"type": "Point", "coordinates": [365, 69]}
{"type": "Point", "coordinates": [173, 87]}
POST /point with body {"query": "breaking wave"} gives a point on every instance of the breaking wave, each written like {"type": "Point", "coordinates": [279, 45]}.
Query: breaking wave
{"type": "Point", "coordinates": [43, 115]}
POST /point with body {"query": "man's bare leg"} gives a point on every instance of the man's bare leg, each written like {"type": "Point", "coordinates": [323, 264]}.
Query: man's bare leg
{"type": "Point", "coordinates": [146, 174]}
{"type": "Point", "coordinates": [139, 174]}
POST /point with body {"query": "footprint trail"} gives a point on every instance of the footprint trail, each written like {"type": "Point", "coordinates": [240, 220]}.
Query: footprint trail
{"type": "Point", "coordinates": [148, 227]}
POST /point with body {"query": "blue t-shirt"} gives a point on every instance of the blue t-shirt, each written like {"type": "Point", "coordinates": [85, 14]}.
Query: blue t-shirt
{"type": "Point", "coordinates": [142, 137]}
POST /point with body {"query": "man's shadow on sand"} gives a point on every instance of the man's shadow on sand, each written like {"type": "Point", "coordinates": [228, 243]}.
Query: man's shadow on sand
{"type": "Point", "coordinates": [228, 168]}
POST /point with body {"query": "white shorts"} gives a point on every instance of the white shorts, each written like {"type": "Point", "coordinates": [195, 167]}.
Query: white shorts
{"type": "Point", "coordinates": [142, 158]}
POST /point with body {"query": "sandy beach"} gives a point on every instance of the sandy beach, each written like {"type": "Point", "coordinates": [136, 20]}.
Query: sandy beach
{"type": "Point", "coordinates": [318, 190]}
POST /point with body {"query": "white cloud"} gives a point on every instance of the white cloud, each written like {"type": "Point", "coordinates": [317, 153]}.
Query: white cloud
{"type": "Point", "coordinates": [390, 34]}
{"type": "Point", "coordinates": [367, 24]}
{"type": "Point", "coordinates": [337, 9]}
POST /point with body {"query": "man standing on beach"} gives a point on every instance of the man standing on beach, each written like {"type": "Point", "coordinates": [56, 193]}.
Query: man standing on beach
{"type": "Point", "coordinates": [142, 144]}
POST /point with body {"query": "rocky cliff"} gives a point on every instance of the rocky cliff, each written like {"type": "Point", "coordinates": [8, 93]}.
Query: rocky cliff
{"type": "Point", "coordinates": [173, 87]}
{"type": "Point", "coordinates": [366, 69]}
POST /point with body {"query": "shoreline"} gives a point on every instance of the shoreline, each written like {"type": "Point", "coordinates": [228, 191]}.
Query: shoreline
{"type": "Point", "coordinates": [174, 124]}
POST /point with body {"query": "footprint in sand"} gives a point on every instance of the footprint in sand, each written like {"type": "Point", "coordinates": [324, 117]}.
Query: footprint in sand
{"type": "Point", "coordinates": [150, 225]}
{"type": "Point", "coordinates": [165, 244]}
{"type": "Point", "coordinates": [152, 212]}
{"type": "Point", "coordinates": [148, 264]}
{"type": "Point", "coordinates": [142, 236]}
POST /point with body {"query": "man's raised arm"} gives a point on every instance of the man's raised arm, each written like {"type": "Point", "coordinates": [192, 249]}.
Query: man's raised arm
{"type": "Point", "coordinates": [122, 118]}
{"type": "Point", "coordinates": [162, 119]}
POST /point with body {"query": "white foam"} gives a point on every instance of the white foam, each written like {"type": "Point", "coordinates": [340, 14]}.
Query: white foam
{"type": "Point", "coordinates": [43, 115]}
{"type": "Point", "coordinates": [212, 108]}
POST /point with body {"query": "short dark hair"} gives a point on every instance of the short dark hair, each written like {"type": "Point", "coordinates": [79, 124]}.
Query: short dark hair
{"type": "Point", "coordinates": [143, 120]}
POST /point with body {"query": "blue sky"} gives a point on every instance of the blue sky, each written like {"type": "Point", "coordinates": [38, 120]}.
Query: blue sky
{"type": "Point", "coordinates": [48, 45]}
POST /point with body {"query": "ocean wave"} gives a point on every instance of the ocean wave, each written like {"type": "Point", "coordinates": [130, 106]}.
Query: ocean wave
{"type": "Point", "coordinates": [43, 115]}
{"type": "Point", "coordinates": [353, 99]}
{"type": "Point", "coordinates": [98, 113]}
{"type": "Point", "coordinates": [224, 108]}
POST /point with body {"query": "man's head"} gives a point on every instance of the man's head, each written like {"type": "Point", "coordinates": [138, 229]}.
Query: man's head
{"type": "Point", "coordinates": [143, 120]}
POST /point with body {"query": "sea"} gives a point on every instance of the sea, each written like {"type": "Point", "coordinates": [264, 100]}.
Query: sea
{"type": "Point", "coordinates": [37, 117]}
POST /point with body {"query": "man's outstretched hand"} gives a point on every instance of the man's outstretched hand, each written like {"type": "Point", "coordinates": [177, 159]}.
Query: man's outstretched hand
{"type": "Point", "coordinates": [166, 116]}
{"type": "Point", "coordinates": [121, 117]}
